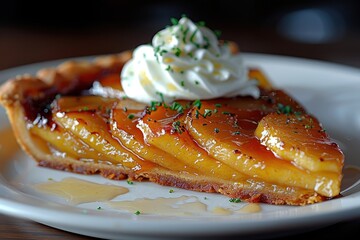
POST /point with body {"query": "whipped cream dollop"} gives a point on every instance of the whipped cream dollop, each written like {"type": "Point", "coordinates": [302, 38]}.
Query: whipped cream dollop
{"type": "Point", "coordinates": [185, 61]}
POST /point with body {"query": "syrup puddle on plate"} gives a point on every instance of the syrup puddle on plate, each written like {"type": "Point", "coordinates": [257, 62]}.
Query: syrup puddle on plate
{"type": "Point", "coordinates": [77, 191]}
{"type": "Point", "coordinates": [180, 206]}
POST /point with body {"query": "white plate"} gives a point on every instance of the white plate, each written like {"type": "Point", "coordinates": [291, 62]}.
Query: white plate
{"type": "Point", "coordinates": [329, 91]}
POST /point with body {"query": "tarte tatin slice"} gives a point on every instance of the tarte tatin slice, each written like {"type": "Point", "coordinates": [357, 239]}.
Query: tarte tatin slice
{"type": "Point", "coordinates": [249, 141]}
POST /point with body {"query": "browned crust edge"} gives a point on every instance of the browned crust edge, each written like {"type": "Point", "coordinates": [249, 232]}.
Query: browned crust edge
{"type": "Point", "coordinates": [182, 180]}
{"type": "Point", "coordinates": [14, 91]}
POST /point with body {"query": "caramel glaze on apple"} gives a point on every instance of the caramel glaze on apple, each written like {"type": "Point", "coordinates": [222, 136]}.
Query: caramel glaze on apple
{"type": "Point", "coordinates": [122, 132]}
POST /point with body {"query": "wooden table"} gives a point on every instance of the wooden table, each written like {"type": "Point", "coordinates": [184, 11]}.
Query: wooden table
{"type": "Point", "coordinates": [20, 46]}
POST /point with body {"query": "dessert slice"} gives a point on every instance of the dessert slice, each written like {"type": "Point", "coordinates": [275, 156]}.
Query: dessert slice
{"type": "Point", "coordinates": [184, 112]}
{"type": "Point", "coordinates": [224, 145]}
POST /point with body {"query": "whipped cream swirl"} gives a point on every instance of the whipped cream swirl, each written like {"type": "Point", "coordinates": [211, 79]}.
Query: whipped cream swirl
{"type": "Point", "coordinates": [185, 61]}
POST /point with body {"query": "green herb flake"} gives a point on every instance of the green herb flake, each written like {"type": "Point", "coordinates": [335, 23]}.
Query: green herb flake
{"type": "Point", "coordinates": [207, 113]}
{"type": "Point", "coordinates": [168, 68]}
{"type": "Point", "coordinates": [182, 83]}
{"type": "Point", "coordinates": [235, 200]}
{"type": "Point", "coordinates": [228, 113]}
{"type": "Point", "coordinates": [197, 103]}
{"type": "Point", "coordinates": [236, 133]}
{"type": "Point", "coordinates": [174, 21]}
{"type": "Point", "coordinates": [99, 208]}
{"type": "Point", "coordinates": [197, 113]}
{"type": "Point", "coordinates": [131, 116]}
{"type": "Point", "coordinates": [201, 24]}
{"type": "Point", "coordinates": [192, 38]}
{"type": "Point", "coordinates": [177, 52]}
{"type": "Point", "coordinates": [218, 105]}
{"type": "Point", "coordinates": [284, 109]}
{"type": "Point", "coordinates": [177, 127]}
{"type": "Point", "coordinates": [217, 33]}
{"type": "Point", "coordinates": [185, 32]}
{"type": "Point", "coordinates": [177, 107]}
{"type": "Point", "coordinates": [129, 182]}
{"type": "Point", "coordinates": [171, 191]}
{"type": "Point", "coordinates": [137, 212]}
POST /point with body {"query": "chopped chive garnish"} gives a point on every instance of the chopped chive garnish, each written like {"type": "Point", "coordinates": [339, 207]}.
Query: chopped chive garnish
{"type": "Point", "coordinates": [177, 127]}
{"type": "Point", "coordinates": [177, 107]}
{"type": "Point", "coordinates": [131, 116]}
{"type": "Point", "coordinates": [197, 113]}
{"type": "Point", "coordinates": [168, 68]}
{"type": "Point", "coordinates": [129, 182]}
{"type": "Point", "coordinates": [217, 33]}
{"type": "Point", "coordinates": [235, 200]}
{"type": "Point", "coordinates": [174, 21]}
{"type": "Point", "coordinates": [284, 109]}
{"type": "Point", "coordinates": [207, 113]}
{"type": "Point", "coordinates": [177, 52]}
{"type": "Point", "coordinates": [201, 23]}
{"type": "Point", "coordinates": [228, 113]}
{"type": "Point", "coordinates": [137, 212]}
{"type": "Point", "coordinates": [197, 103]}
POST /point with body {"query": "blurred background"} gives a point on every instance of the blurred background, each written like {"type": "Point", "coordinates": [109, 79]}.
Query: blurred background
{"type": "Point", "coordinates": [33, 31]}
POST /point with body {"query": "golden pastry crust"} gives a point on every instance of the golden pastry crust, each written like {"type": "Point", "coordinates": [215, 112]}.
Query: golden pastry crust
{"type": "Point", "coordinates": [62, 79]}
{"type": "Point", "coordinates": [72, 76]}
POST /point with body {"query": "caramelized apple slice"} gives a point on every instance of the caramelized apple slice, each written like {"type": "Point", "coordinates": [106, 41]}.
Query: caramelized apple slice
{"type": "Point", "coordinates": [93, 130]}
{"type": "Point", "coordinates": [163, 129]}
{"type": "Point", "coordinates": [301, 139]}
{"type": "Point", "coordinates": [228, 136]}
{"type": "Point", "coordinates": [123, 127]}
{"type": "Point", "coordinates": [66, 143]}
{"type": "Point", "coordinates": [269, 101]}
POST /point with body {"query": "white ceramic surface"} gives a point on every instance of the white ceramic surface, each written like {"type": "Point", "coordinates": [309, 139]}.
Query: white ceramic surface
{"type": "Point", "coordinates": [329, 91]}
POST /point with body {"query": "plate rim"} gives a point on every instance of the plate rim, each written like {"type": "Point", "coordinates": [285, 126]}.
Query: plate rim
{"type": "Point", "coordinates": [5, 203]}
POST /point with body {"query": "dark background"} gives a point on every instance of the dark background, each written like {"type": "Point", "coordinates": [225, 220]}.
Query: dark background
{"type": "Point", "coordinates": [32, 31]}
